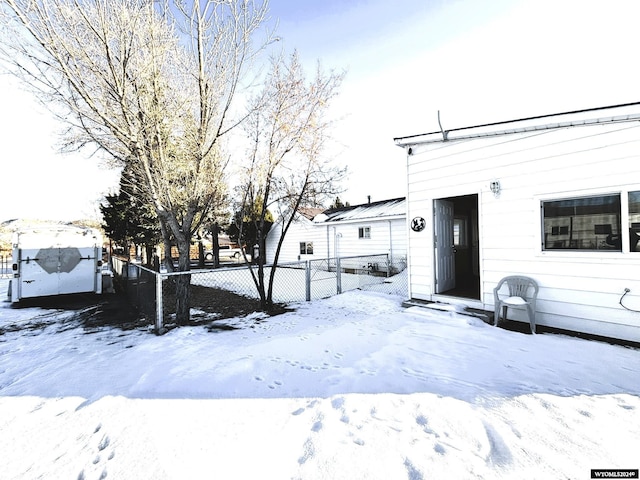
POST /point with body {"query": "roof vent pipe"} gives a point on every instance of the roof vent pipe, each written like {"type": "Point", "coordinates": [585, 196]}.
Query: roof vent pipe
{"type": "Point", "coordinates": [445, 133]}
{"type": "Point", "coordinates": [368, 198]}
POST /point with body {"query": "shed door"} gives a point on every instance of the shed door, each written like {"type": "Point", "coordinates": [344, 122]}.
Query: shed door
{"type": "Point", "coordinates": [77, 270]}
{"type": "Point", "coordinates": [445, 252]}
{"type": "Point", "coordinates": [35, 281]}
{"type": "Point", "coordinates": [53, 271]}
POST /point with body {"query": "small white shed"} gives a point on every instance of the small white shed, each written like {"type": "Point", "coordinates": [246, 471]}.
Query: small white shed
{"type": "Point", "coordinates": [56, 260]}
{"type": "Point", "coordinates": [369, 229]}
{"type": "Point", "coordinates": [555, 198]}
{"type": "Point", "coordinates": [301, 241]}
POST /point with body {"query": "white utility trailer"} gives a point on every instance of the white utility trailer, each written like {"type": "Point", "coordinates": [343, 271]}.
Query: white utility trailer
{"type": "Point", "coordinates": [56, 260]}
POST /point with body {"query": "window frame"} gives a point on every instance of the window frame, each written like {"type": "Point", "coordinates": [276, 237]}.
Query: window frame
{"type": "Point", "coordinates": [306, 248]}
{"type": "Point", "coordinates": [603, 233]}
{"type": "Point", "coordinates": [588, 256]}
{"type": "Point", "coordinates": [364, 232]}
{"type": "Point", "coordinates": [630, 224]}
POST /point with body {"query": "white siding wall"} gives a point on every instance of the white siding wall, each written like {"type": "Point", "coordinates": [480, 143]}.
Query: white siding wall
{"type": "Point", "coordinates": [388, 236]}
{"type": "Point", "coordinates": [578, 290]}
{"type": "Point", "coordinates": [301, 230]}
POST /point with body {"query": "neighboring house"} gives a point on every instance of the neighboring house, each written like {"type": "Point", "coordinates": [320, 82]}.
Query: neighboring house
{"type": "Point", "coordinates": [556, 198]}
{"type": "Point", "coordinates": [300, 242]}
{"type": "Point", "coordinates": [369, 229]}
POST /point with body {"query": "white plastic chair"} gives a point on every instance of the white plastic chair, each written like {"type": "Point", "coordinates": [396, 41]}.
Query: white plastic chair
{"type": "Point", "coordinates": [522, 294]}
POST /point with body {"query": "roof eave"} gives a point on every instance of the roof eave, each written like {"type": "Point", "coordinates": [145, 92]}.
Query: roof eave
{"type": "Point", "coordinates": [624, 113]}
{"type": "Point", "coordinates": [363, 219]}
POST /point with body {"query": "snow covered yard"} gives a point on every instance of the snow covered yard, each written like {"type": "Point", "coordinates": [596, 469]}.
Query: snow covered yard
{"type": "Point", "coordinates": [289, 283]}
{"type": "Point", "coordinates": [349, 387]}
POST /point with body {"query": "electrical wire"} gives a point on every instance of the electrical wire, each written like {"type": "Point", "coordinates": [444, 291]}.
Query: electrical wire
{"type": "Point", "coordinates": [626, 290]}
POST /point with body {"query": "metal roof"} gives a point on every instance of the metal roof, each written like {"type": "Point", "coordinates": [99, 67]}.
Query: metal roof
{"type": "Point", "coordinates": [395, 207]}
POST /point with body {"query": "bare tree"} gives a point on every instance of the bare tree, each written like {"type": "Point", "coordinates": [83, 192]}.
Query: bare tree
{"type": "Point", "coordinates": [288, 130]}
{"type": "Point", "coordinates": [150, 83]}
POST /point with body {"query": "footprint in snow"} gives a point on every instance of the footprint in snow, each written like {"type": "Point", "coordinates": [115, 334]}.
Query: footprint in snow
{"type": "Point", "coordinates": [308, 451]}
{"type": "Point", "coordinates": [104, 443]}
{"type": "Point", "coordinates": [412, 472]}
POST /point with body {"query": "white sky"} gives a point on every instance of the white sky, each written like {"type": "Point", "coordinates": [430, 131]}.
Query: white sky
{"type": "Point", "coordinates": [405, 61]}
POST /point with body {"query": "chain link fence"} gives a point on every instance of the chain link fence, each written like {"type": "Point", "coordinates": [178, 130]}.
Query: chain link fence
{"type": "Point", "coordinates": [5, 266]}
{"type": "Point", "coordinates": [138, 283]}
{"type": "Point", "coordinates": [230, 291]}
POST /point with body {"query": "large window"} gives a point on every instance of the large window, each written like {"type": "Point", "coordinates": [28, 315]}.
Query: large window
{"type": "Point", "coordinates": [587, 223]}
{"type": "Point", "coordinates": [634, 221]}
{"type": "Point", "coordinates": [306, 248]}
{"type": "Point", "coordinates": [364, 232]}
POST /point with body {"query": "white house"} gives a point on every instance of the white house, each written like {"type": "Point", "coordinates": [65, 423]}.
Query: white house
{"type": "Point", "coordinates": [301, 240]}
{"type": "Point", "coordinates": [555, 198]}
{"type": "Point", "coordinates": [368, 229]}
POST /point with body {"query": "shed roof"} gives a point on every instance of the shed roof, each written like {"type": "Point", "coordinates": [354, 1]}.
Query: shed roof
{"type": "Point", "coordinates": [394, 207]}
{"type": "Point", "coordinates": [309, 212]}
{"type": "Point", "coordinates": [627, 112]}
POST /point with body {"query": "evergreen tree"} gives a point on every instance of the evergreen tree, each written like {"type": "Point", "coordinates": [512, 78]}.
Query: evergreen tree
{"type": "Point", "coordinates": [128, 220]}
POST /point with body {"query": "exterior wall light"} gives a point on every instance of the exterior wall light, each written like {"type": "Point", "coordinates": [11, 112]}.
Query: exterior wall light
{"type": "Point", "coordinates": [494, 186]}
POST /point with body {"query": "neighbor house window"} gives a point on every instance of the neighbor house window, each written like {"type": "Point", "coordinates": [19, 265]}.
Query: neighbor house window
{"type": "Point", "coordinates": [306, 248]}
{"type": "Point", "coordinates": [364, 232]}
{"type": "Point", "coordinates": [634, 221]}
{"type": "Point", "coordinates": [586, 223]}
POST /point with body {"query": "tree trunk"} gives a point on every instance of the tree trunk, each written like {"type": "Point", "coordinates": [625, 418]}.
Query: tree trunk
{"type": "Point", "coordinates": [215, 231]}
{"type": "Point", "coordinates": [200, 253]}
{"type": "Point", "coordinates": [272, 273]}
{"type": "Point", "coordinates": [149, 249]}
{"type": "Point", "coordinates": [166, 240]}
{"type": "Point", "coordinates": [265, 302]}
{"type": "Point", "coordinates": [183, 283]}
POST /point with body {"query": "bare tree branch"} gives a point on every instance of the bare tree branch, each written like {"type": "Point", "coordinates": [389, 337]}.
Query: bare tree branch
{"type": "Point", "coordinates": [152, 84]}
{"type": "Point", "coordinates": [288, 131]}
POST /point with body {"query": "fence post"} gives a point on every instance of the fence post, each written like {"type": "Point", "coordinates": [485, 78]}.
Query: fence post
{"type": "Point", "coordinates": [388, 265]}
{"type": "Point", "coordinates": [159, 306]}
{"type": "Point", "coordinates": [338, 276]}
{"type": "Point", "coordinates": [307, 280]}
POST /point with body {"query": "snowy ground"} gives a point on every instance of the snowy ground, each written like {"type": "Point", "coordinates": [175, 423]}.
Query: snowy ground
{"type": "Point", "coordinates": [289, 283]}
{"type": "Point", "coordinates": [290, 279]}
{"type": "Point", "coordinates": [351, 387]}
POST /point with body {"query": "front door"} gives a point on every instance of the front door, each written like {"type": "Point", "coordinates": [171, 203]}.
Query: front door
{"type": "Point", "coordinates": [445, 251]}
